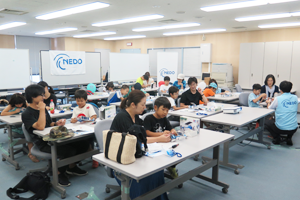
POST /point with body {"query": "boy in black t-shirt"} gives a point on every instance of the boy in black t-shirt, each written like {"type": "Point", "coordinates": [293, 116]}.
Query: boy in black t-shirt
{"type": "Point", "coordinates": [158, 124]}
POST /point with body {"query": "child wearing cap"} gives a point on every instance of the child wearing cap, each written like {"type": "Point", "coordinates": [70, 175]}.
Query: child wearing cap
{"type": "Point", "coordinates": [180, 83]}
{"type": "Point", "coordinates": [210, 91]}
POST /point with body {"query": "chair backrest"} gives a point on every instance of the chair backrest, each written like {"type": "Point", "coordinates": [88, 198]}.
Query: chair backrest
{"type": "Point", "coordinates": [26, 134]}
{"type": "Point", "coordinates": [96, 109]}
{"type": "Point", "coordinates": [110, 96]}
{"type": "Point", "coordinates": [243, 99]}
{"type": "Point", "coordinates": [238, 88]}
{"type": "Point", "coordinates": [99, 128]}
{"type": "Point", "coordinates": [226, 89]}
{"type": "Point", "coordinates": [178, 102]}
{"type": "Point", "coordinates": [146, 114]}
{"type": "Point", "coordinates": [202, 85]}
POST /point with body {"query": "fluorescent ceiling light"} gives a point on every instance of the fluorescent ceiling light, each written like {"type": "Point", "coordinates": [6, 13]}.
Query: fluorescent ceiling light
{"type": "Point", "coordinates": [280, 25]}
{"type": "Point", "coordinates": [56, 31]}
{"type": "Point", "coordinates": [279, 1]}
{"type": "Point", "coordinates": [74, 10]}
{"type": "Point", "coordinates": [11, 25]}
{"type": "Point", "coordinates": [262, 17]}
{"type": "Point", "coordinates": [166, 27]}
{"type": "Point", "coordinates": [295, 14]}
{"type": "Point", "coordinates": [128, 20]}
{"type": "Point", "coordinates": [125, 37]}
{"type": "Point", "coordinates": [94, 34]}
{"type": "Point", "coordinates": [195, 32]}
{"type": "Point", "coordinates": [235, 5]}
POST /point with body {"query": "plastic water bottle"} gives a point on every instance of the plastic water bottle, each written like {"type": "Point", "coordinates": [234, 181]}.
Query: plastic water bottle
{"type": "Point", "coordinates": [52, 107]}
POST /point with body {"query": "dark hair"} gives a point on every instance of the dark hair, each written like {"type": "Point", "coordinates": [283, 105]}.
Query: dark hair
{"type": "Point", "coordinates": [256, 87]}
{"type": "Point", "coordinates": [109, 85]}
{"type": "Point", "coordinates": [166, 78]}
{"type": "Point", "coordinates": [147, 74]}
{"type": "Point", "coordinates": [17, 99]}
{"type": "Point", "coordinates": [134, 97]}
{"type": "Point", "coordinates": [146, 77]}
{"type": "Point", "coordinates": [285, 86]}
{"type": "Point", "coordinates": [212, 81]}
{"type": "Point", "coordinates": [162, 101]}
{"type": "Point", "coordinates": [125, 87]}
{"type": "Point", "coordinates": [270, 76]}
{"type": "Point", "coordinates": [173, 90]}
{"type": "Point", "coordinates": [191, 80]}
{"type": "Point", "coordinates": [81, 94]}
{"type": "Point", "coordinates": [137, 86]}
{"type": "Point", "coordinates": [44, 84]}
{"type": "Point", "coordinates": [33, 91]}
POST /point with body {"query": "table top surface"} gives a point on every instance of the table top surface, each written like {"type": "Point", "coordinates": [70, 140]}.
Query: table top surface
{"type": "Point", "coordinates": [94, 97]}
{"type": "Point", "coordinates": [151, 89]}
{"type": "Point", "coordinates": [188, 148]}
{"type": "Point", "coordinates": [7, 93]}
{"type": "Point", "coordinates": [217, 97]}
{"type": "Point", "coordinates": [245, 116]}
{"type": "Point", "coordinates": [148, 102]}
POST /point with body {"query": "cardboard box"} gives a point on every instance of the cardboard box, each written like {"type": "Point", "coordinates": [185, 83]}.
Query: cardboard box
{"type": "Point", "coordinates": [108, 112]}
{"type": "Point", "coordinates": [189, 126]}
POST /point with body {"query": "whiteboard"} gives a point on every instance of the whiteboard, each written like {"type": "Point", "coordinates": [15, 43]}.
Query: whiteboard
{"type": "Point", "coordinates": [15, 68]}
{"type": "Point", "coordinates": [127, 66]}
{"type": "Point", "coordinates": [92, 74]}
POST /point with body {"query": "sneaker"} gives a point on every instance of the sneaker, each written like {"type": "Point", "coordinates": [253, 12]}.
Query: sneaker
{"type": "Point", "coordinates": [289, 141]}
{"type": "Point", "coordinates": [95, 164]}
{"type": "Point", "coordinates": [63, 180]}
{"type": "Point", "coordinates": [76, 171]}
{"type": "Point", "coordinates": [173, 172]}
{"type": "Point", "coordinates": [276, 141]}
{"type": "Point", "coordinates": [256, 125]}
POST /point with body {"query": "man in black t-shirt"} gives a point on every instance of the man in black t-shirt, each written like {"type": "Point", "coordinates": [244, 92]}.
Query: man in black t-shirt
{"type": "Point", "coordinates": [36, 117]}
{"type": "Point", "coordinates": [192, 96]}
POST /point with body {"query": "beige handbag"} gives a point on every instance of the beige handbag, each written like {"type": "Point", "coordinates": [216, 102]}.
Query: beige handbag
{"type": "Point", "coordinates": [119, 147]}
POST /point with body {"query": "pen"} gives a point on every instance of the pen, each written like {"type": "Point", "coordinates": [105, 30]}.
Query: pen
{"type": "Point", "coordinates": [174, 146]}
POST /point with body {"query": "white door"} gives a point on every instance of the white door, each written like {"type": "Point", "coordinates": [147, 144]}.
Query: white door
{"type": "Point", "coordinates": [257, 63]}
{"type": "Point", "coordinates": [284, 61]}
{"type": "Point", "coordinates": [295, 69]}
{"type": "Point", "coordinates": [245, 65]}
{"type": "Point", "coordinates": [270, 60]}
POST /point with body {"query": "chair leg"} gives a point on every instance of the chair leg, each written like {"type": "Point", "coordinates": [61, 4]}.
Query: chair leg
{"type": "Point", "coordinates": [114, 195]}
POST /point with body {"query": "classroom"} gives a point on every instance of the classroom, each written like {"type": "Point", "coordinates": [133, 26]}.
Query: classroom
{"type": "Point", "coordinates": [150, 100]}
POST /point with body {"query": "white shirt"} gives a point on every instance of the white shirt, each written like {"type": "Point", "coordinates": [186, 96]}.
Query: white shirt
{"type": "Point", "coordinates": [164, 88]}
{"type": "Point", "coordinates": [150, 81]}
{"type": "Point", "coordinates": [172, 101]}
{"type": "Point", "coordinates": [274, 104]}
{"type": "Point", "coordinates": [86, 111]}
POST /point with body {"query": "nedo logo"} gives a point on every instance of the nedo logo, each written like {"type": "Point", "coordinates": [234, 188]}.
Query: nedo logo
{"type": "Point", "coordinates": [287, 103]}
{"type": "Point", "coordinates": [63, 60]}
{"type": "Point", "coordinates": [164, 72]}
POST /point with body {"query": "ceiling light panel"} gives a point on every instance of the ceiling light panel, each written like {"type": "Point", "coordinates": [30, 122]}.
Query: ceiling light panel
{"type": "Point", "coordinates": [228, 6]}
{"type": "Point", "coordinates": [74, 10]}
{"type": "Point", "coordinates": [128, 20]}
{"type": "Point", "coordinates": [195, 32]}
{"type": "Point", "coordinates": [166, 27]}
{"type": "Point", "coordinates": [125, 37]}
{"type": "Point", "coordinates": [263, 17]}
{"type": "Point", "coordinates": [280, 25]}
{"type": "Point", "coordinates": [61, 30]}
{"type": "Point", "coordinates": [280, 1]}
{"type": "Point", "coordinates": [94, 34]}
{"type": "Point", "coordinates": [11, 25]}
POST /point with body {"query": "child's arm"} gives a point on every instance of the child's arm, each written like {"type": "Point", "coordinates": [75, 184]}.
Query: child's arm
{"type": "Point", "coordinates": [163, 139]}
{"type": "Point", "coordinates": [156, 134]}
{"type": "Point", "coordinates": [73, 120]}
{"type": "Point", "coordinates": [262, 96]}
{"type": "Point", "coordinates": [94, 117]}
{"type": "Point", "coordinates": [6, 112]}
{"type": "Point", "coordinates": [173, 131]}
{"type": "Point", "coordinates": [179, 108]}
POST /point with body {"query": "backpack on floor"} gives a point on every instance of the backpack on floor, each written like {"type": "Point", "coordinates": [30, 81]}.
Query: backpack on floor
{"type": "Point", "coordinates": [36, 182]}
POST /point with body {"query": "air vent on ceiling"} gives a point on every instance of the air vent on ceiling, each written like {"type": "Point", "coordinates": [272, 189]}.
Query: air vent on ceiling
{"type": "Point", "coordinates": [88, 31]}
{"type": "Point", "coordinates": [12, 12]}
{"type": "Point", "coordinates": [169, 21]}
{"type": "Point", "coordinates": [239, 27]}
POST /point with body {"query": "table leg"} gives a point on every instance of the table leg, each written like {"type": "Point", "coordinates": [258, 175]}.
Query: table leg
{"type": "Point", "coordinates": [55, 185]}
{"type": "Point", "coordinates": [11, 157]}
{"type": "Point", "coordinates": [125, 186]}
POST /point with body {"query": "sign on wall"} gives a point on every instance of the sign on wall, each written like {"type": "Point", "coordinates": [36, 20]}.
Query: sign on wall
{"type": "Point", "coordinates": [167, 64]}
{"type": "Point", "coordinates": [67, 62]}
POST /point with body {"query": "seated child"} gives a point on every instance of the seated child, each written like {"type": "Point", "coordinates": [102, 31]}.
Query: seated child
{"type": "Point", "coordinates": [119, 95]}
{"type": "Point", "coordinates": [209, 91]}
{"type": "Point", "coordinates": [165, 87]}
{"type": "Point", "coordinates": [109, 87]}
{"type": "Point", "coordinates": [174, 92]}
{"type": "Point", "coordinates": [136, 86]}
{"type": "Point", "coordinates": [157, 124]}
{"type": "Point", "coordinates": [286, 107]}
{"type": "Point", "coordinates": [255, 97]}
{"type": "Point", "coordinates": [219, 90]}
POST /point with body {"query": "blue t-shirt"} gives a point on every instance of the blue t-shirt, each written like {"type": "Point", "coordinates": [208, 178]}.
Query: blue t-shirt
{"type": "Point", "coordinates": [251, 97]}
{"type": "Point", "coordinates": [179, 86]}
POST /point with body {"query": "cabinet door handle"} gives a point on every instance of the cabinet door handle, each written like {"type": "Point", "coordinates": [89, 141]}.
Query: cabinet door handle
{"type": "Point", "coordinates": [251, 74]}
{"type": "Point", "coordinates": [277, 75]}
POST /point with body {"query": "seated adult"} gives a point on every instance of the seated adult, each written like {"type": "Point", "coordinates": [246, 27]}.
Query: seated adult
{"type": "Point", "coordinates": [286, 106]}
{"type": "Point", "coordinates": [36, 117]}
{"type": "Point", "coordinates": [150, 81]}
{"type": "Point", "coordinates": [270, 89]}
{"type": "Point", "coordinates": [141, 80]}
{"type": "Point", "coordinates": [180, 83]}
{"type": "Point", "coordinates": [192, 96]}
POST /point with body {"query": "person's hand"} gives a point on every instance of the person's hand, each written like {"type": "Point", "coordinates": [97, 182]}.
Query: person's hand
{"type": "Point", "coordinates": [73, 120]}
{"type": "Point", "coordinates": [173, 132]}
{"type": "Point", "coordinates": [268, 101]}
{"type": "Point", "coordinates": [61, 122]}
{"type": "Point", "coordinates": [42, 105]}
{"type": "Point", "coordinates": [200, 90]}
{"type": "Point", "coordinates": [166, 132]}
{"type": "Point", "coordinates": [165, 138]}
{"type": "Point", "coordinates": [147, 94]}
{"type": "Point", "coordinates": [180, 84]}
{"type": "Point", "coordinates": [264, 96]}
{"type": "Point", "coordinates": [186, 106]}
{"type": "Point", "coordinates": [17, 110]}
{"type": "Point", "coordinates": [47, 108]}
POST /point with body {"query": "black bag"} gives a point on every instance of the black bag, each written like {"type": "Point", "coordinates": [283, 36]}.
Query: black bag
{"type": "Point", "coordinates": [36, 182]}
{"type": "Point", "coordinates": [140, 133]}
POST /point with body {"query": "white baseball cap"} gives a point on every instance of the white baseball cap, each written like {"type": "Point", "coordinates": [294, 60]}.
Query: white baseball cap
{"type": "Point", "coordinates": [180, 76]}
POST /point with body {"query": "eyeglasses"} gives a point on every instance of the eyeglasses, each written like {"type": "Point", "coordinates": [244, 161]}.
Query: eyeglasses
{"type": "Point", "coordinates": [43, 95]}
